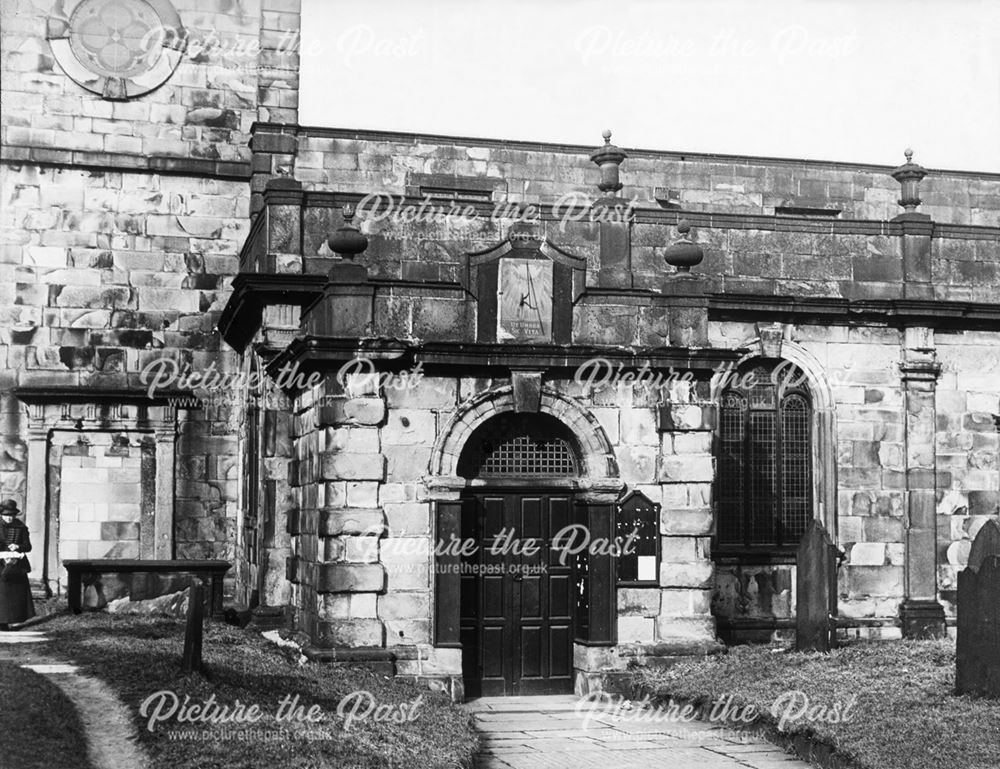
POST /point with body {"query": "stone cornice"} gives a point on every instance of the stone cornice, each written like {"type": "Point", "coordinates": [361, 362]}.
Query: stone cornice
{"type": "Point", "coordinates": [309, 354]}
{"type": "Point", "coordinates": [97, 396]}
{"type": "Point", "coordinates": [110, 161]}
{"type": "Point", "coordinates": [663, 217]}
{"type": "Point", "coordinates": [893, 312]}
{"type": "Point", "coordinates": [251, 292]}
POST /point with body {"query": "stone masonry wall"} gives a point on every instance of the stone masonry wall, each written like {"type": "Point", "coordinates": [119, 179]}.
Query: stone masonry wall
{"type": "Point", "coordinates": [230, 76]}
{"type": "Point", "coordinates": [968, 396]}
{"type": "Point", "coordinates": [363, 534]}
{"type": "Point", "coordinates": [105, 273]}
{"type": "Point", "coordinates": [861, 367]}
{"type": "Point", "coordinates": [524, 172]}
{"type": "Point", "coordinates": [121, 226]}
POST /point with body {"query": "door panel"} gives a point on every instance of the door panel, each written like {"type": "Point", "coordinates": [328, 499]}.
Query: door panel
{"type": "Point", "coordinates": [517, 606]}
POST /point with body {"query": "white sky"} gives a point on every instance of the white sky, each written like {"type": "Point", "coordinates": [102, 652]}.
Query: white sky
{"type": "Point", "coordinates": [850, 80]}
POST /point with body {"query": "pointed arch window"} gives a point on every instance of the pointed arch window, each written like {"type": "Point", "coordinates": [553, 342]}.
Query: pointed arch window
{"type": "Point", "coordinates": [764, 485]}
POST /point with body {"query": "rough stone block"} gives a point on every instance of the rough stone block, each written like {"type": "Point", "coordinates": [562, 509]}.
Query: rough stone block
{"type": "Point", "coordinates": [637, 463]}
{"type": "Point", "coordinates": [353, 467]}
{"type": "Point", "coordinates": [686, 629]}
{"type": "Point", "coordinates": [675, 522]}
{"type": "Point", "coordinates": [339, 606]}
{"type": "Point", "coordinates": [407, 632]}
{"type": "Point", "coordinates": [404, 605]}
{"type": "Point", "coordinates": [636, 630]}
{"type": "Point", "coordinates": [404, 575]}
{"type": "Point", "coordinates": [692, 574]}
{"type": "Point", "coordinates": [699, 442]}
{"type": "Point", "coordinates": [352, 633]}
{"type": "Point", "coordinates": [350, 578]}
{"type": "Point", "coordinates": [425, 393]}
{"type": "Point", "coordinates": [407, 463]}
{"type": "Point", "coordinates": [408, 519]}
{"type": "Point", "coordinates": [877, 581]}
{"type": "Point", "coordinates": [338, 411]}
{"type": "Point", "coordinates": [364, 411]}
{"type": "Point", "coordinates": [362, 494]}
{"type": "Point", "coordinates": [638, 427]}
{"type": "Point", "coordinates": [406, 550]}
{"type": "Point", "coordinates": [362, 549]}
{"type": "Point", "coordinates": [687, 469]}
{"type": "Point", "coordinates": [406, 427]}
{"type": "Point", "coordinates": [346, 520]}
{"type": "Point", "coordinates": [682, 602]}
{"type": "Point", "coordinates": [868, 554]}
{"type": "Point", "coordinates": [644, 602]}
{"type": "Point", "coordinates": [361, 440]}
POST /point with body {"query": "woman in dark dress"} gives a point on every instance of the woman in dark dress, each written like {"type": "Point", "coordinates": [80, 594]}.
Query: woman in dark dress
{"type": "Point", "coordinates": [15, 593]}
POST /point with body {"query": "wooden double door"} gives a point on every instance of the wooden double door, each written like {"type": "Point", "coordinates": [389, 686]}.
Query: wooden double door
{"type": "Point", "coordinates": [517, 594]}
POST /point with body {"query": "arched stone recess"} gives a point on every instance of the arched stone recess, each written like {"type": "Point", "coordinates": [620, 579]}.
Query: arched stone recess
{"type": "Point", "coordinates": [773, 344]}
{"type": "Point", "coordinates": [599, 466]}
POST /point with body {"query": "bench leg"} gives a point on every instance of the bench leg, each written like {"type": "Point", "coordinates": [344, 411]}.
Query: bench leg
{"type": "Point", "coordinates": [216, 600]}
{"type": "Point", "coordinates": [74, 588]}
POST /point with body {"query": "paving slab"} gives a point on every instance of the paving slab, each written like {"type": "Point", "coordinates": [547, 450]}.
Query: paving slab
{"type": "Point", "coordinates": [561, 731]}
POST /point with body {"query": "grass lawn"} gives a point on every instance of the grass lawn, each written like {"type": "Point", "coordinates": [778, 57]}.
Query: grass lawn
{"type": "Point", "coordinates": [39, 728]}
{"type": "Point", "coordinates": [139, 657]}
{"type": "Point", "coordinates": [904, 716]}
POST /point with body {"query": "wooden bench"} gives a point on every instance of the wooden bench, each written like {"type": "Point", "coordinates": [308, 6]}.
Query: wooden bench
{"type": "Point", "coordinates": [212, 571]}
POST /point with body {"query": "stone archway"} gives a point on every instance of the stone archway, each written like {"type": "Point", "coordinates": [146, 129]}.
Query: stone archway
{"type": "Point", "coordinates": [600, 467]}
{"type": "Point", "coordinates": [824, 448]}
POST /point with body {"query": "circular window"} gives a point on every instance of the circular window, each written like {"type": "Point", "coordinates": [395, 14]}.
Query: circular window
{"type": "Point", "coordinates": [119, 49]}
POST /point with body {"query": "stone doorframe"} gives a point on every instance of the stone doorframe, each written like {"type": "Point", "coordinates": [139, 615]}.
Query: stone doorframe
{"type": "Point", "coordinates": [772, 342]}
{"type": "Point", "coordinates": [597, 487]}
{"type": "Point", "coordinates": [78, 411]}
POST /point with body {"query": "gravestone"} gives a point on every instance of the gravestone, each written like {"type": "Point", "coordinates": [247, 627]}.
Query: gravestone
{"type": "Point", "coordinates": [977, 653]}
{"type": "Point", "coordinates": [193, 630]}
{"type": "Point", "coordinates": [816, 590]}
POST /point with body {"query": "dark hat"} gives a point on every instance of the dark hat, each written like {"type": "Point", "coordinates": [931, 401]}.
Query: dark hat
{"type": "Point", "coordinates": [9, 507]}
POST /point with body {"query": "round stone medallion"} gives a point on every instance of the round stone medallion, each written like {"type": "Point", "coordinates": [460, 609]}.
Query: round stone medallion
{"type": "Point", "coordinates": [119, 49]}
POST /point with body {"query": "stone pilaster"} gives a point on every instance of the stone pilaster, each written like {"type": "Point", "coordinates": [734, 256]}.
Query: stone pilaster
{"type": "Point", "coordinates": [921, 615]}
{"type": "Point", "coordinates": [350, 575]}
{"type": "Point", "coordinates": [686, 473]}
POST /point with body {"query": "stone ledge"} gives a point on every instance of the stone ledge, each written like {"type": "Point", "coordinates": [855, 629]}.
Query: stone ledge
{"type": "Point", "coordinates": [106, 161]}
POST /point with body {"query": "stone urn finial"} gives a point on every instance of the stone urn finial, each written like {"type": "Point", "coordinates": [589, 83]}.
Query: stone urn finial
{"type": "Point", "coordinates": [909, 175]}
{"type": "Point", "coordinates": [347, 241]}
{"type": "Point", "coordinates": [608, 158]}
{"type": "Point", "coordinates": [684, 253]}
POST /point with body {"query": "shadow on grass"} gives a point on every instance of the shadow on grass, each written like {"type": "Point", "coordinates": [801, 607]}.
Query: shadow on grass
{"type": "Point", "coordinates": [40, 728]}
{"type": "Point", "coordinates": [139, 658]}
{"type": "Point", "coordinates": [904, 715]}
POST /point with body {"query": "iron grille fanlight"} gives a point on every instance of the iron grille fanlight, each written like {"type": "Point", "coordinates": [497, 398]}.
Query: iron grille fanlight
{"type": "Point", "coordinates": [516, 445]}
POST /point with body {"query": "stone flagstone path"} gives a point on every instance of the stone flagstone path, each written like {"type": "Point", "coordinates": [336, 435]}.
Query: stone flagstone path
{"type": "Point", "coordinates": [549, 733]}
{"type": "Point", "coordinates": [111, 740]}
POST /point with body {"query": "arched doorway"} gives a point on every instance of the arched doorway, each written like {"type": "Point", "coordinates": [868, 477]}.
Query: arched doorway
{"type": "Point", "coordinates": [519, 594]}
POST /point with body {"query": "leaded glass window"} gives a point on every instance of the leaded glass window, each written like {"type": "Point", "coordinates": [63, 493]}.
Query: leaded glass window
{"type": "Point", "coordinates": [764, 484]}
